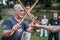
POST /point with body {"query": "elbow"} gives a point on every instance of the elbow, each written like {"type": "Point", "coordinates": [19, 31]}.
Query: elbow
{"type": "Point", "coordinates": [3, 33]}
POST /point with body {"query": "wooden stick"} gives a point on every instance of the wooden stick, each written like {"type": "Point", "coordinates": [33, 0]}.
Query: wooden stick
{"type": "Point", "coordinates": [19, 23]}
{"type": "Point", "coordinates": [25, 9]}
{"type": "Point", "coordinates": [28, 13]}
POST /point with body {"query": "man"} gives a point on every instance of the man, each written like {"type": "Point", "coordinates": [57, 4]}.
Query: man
{"type": "Point", "coordinates": [1, 20]}
{"type": "Point", "coordinates": [54, 21]}
{"type": "Point", "coordinates": [12, 24]}
{"type": "Point", "coordinates": [44, 21]}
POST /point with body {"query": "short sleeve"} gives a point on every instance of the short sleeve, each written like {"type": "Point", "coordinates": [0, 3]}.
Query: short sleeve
{"type": "Point", "coordinates": [7, 25]}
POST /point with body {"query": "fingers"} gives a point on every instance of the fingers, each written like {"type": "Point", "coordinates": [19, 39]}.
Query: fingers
{"type": "Point", "coordinates": [16, 27]}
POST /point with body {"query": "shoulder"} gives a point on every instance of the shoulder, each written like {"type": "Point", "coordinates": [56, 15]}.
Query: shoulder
{"type": "Point", "coordinates": [10, 18]}
{"type": "Point", "coordinates": [7, 19]}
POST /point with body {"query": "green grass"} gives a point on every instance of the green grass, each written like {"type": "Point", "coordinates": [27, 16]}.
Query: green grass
{"type": "Point", "coordinates": [36, 37]}
{"type": "Point", "coordinates": [0, 31]}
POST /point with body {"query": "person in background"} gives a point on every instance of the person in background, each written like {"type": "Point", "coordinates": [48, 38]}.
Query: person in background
{"type": "Point", "coordinates": [44, 21]}
{"type": "Point", "coordinates": [54, 22]}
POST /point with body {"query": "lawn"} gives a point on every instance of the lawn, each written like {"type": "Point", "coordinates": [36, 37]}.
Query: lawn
{"type": "Point", "coordinates": [39, 14]}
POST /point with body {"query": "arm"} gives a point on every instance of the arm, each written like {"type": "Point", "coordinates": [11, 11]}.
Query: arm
{"type": "Point", "coordinates": [28, 27]}
{"type": "Point", "coordinates": [6, 33]}
{"type": "Point", "coordinates": [1, 22]}
{"type": "Point", "coordinates": [8, 28]}
{"type": "Point", "coordinates": [50, 28]}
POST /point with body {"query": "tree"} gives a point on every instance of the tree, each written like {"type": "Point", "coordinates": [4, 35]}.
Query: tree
{"type": "Point", "coordinates": [47, 3]}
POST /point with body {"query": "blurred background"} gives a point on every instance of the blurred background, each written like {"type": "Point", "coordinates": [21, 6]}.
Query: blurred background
{"type": "Point", "coordinates": [43, 7]}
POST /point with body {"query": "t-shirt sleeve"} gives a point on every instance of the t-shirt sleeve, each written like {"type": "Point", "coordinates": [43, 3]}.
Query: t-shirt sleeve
{"type": "Point", "coordinates": [26, 26]}
{"type": "Point", "coordinates": [7, 25]}
{"type": "Point", "coordinates": [0, 18]}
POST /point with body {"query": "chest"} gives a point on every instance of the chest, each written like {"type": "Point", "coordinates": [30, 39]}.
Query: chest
{"type": "Point", "coordinates": [54, 22]}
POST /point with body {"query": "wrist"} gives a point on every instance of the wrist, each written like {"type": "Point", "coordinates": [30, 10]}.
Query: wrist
{"type": "Point", "coordinates": [13, 30]}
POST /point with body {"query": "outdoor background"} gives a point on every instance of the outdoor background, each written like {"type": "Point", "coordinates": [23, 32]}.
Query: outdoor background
{"type": "Point", "coordinates": [47, 7]}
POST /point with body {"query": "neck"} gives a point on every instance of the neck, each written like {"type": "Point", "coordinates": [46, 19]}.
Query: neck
{"type": "Point", "coordinates": [44, 18]}
{"type": "Point", "coordinates": [55, 17]}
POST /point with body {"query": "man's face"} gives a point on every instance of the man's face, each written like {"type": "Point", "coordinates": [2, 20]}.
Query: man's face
{"type": "Point", "coordinates": [20, 11]}
{"type": "Point", "coordinates": [55, 15]}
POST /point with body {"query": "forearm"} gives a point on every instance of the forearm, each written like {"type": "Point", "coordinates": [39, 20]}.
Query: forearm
{"type": "Point", "coordinates": [6, 33]}
{"type": "Point", "coordinates": [57, 28]}
{"type": "Point", "coordinates": [51, 28]}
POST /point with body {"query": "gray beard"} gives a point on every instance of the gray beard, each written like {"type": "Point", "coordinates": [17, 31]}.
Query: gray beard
{"type": "Point", "coordinates": [21, 17]}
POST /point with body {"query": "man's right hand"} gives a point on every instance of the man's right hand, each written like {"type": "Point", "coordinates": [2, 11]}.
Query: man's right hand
{"type": "Point", "coordinates": [16, 27]}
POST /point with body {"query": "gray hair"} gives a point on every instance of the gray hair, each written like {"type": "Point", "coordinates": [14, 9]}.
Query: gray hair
{"type": "Point", "coordinates": [16, 6]}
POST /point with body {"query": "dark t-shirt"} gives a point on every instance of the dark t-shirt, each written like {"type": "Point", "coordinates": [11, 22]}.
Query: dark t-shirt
{"type": "Point", "coordinates": [8, 24]}
{"type": "Point", "coordinates": [0, 18]}
{"type": "Point", "coordinates": [54, 21]}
